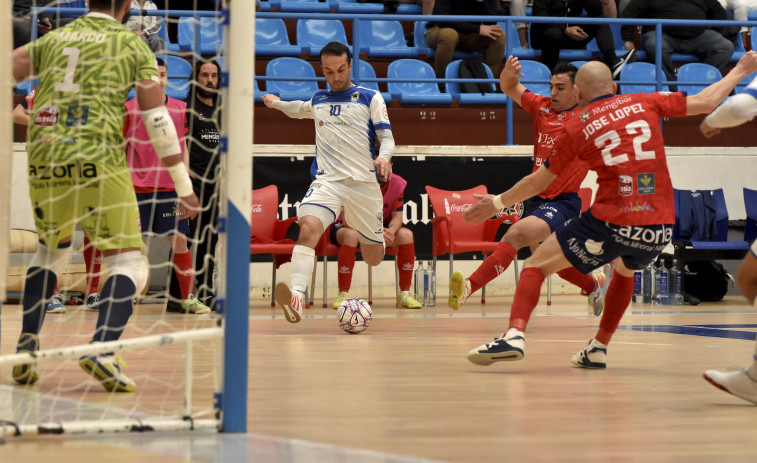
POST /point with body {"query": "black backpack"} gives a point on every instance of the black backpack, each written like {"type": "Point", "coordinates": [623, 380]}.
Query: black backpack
{"type": "Point", "coordinates": [706, 280]}
{"type": "Point", "coordinates": [473, 68]}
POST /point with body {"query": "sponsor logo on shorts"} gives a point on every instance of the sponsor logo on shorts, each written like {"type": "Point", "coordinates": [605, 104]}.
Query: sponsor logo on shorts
{"type": "Point", "coordinates": [653, 238]}
{"type": "Point", "coordinates": [77, 115]}
{"type": "Point", "coordinates": [47, 116]}
{"type": "Point", "coordinates": [595, 247]}
{"type": "Point", "coordinates": [646, 183]}
{"type": "Point", "coordinates": [625, 185]}
{"type": "Point", "coordinates": [581, 253]}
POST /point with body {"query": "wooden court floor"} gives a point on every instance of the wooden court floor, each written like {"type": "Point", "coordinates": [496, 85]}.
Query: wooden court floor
{"type": "Point", "coordinates": [404, 387]}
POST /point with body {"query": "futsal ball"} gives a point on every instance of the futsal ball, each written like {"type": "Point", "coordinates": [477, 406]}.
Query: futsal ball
{"type": "Point", "coordinates": [354, 315]}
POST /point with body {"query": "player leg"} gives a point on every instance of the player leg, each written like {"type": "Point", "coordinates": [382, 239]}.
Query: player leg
{"type": "Point", "coordinates": [347, 239]}
{"type": "Point", "coordinates": [363, 211]}
{"type": "Point", "coordinates": [92, 262]}
{"type": "Point", "coordinates": [405, 244]}
{"type": "Point", "coordinates": [741, 383]}
{"type": "Point", "coordinates": [319, 208]}
{"type": "Point", "coordinates": [182, 267]}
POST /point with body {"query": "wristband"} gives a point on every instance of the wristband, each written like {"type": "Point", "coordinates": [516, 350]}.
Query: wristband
{"type": "Point", "coordinates": [497, 201]}
{"type": "Point", "coordinates": [181, 181]}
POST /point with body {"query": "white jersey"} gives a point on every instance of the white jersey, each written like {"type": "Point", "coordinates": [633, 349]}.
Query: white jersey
{"type": "Point", "coordinates": [737, 109]}
{"type": "Point", "coordinates": [345, 132]}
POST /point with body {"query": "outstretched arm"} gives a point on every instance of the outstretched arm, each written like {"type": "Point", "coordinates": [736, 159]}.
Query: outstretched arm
{"type": "Point", "coordinates": [737, 110]}
{"type": "Point", "coordinates": [297, 109]}
{"type": "Point", "coordinates": [709, 98]}
{"type": "Point", "coordinates": [509, 79]}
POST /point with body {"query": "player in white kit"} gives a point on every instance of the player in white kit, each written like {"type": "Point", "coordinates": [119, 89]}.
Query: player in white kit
{"type": "Point", "coordinates": [348, 120]}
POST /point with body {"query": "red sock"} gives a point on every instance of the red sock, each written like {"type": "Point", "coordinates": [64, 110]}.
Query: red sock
{"type": "Point", "coordinates": [582, 280]}
{"type": "Point", "coordinates": [92, 261]}
{"type": "Point", "coordinates": [182, 266]}
{"type": "Point", "coordinates": [346, 262]}
{"type": "Point", "coordinates": [526, 297]}
{"type": "Point", "coordinates": [493, 266]}
{"type": "Point", "coordinates": [405, 263]}
{"type": "Point", "coordinates": [616, 302]}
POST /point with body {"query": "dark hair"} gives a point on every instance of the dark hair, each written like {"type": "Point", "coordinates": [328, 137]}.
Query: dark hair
{"type": "Point", "coordinates": [196, 72]}
{"type": "Point", "coordinates": [106, 4]}
{"type": "Point", "coordinates": [159, 61]}
{"type": "Point", "coordinates": [565, 68]}
{"type": "Point", "coordinates": [336, 49]}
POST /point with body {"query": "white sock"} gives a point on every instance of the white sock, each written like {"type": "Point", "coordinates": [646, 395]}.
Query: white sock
{"type": "Point", "coordinates": [596, 343]}
{"type": "Point", "coordinates": [513, 333]}
{"type": "Point", "coordinates": [303, 260]}
{"type": "Point", "coordinates": [402, 293]}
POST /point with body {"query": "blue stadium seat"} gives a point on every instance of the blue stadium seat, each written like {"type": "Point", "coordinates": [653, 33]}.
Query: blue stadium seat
{"type": "Point", "coordinates": [744, 82]}
{"type": "Point", "coordinates": [750, 203]}
{"type": "Point", "coordinates": [210, 41]}
{"type": "Point", "coordinates": [290, 89]}
{"type": "Point", "coordinates": [419, 37]}
{"type": "Point", "coordinates": [517, 50]}
{"type": "Point", "coordinates": [177, 67]}
{"type": "Point", "coordinates": [639, 71]}
{"type": "Point", "coordinates": [578, 64]}
{"type": "Point", "coordinates": [304, 6]}
{"type": "Point", "coordinates": [271, 38]}
{"type": "Point", "coordinates": [257, 93]}
{"type": "Point", "coordinates": [268, 5]}
{"type": "Point", "coordinates": [409, 8]}
{"type": "Point", "coordinates": [367, 71]}
{"type": "Point", "coordinates": [534, 70]}
{"type": "Point", "coordinates": [453, 88]}
{"type": "Point", "coordinates": [384, 39]}
{"type": "Point", "coordinates": [353, 6]}
{"type": "Point", "coordinates": [697, 72]}
{"type": "Point", "coordinates": [754, 31]}
{"type": "Point", "coordinates": [738, 50]}
{"type": "Point", "coordinates": [414, 92]}
{"type": "Point", "coordinates": [177, 88]}
{"type": "Point", "coordinates": [313, 34]}
{"type": "Point", "coordinates": [163, 33]}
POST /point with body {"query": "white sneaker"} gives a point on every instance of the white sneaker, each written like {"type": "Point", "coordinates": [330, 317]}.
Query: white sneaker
{"type": "Point", "coordinates": [290, 303]}
{"type": "Point", "coordinates": [509, 348]}
{"type": "Point", "coordinates": [593, 356]}
{"type": "Point", "coordinates": [107, 370]}
{"type": "Point", "coordinates": [597, 297]}
{"type": "Point", "coordinates": [55, 305]}
{"type": "Point", "coordinates": [92, 301]}
{"type": "Point", "coordinates": [738, 383]}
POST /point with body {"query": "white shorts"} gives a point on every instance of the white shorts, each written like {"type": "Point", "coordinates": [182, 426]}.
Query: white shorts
{"type": "Point", "coordinates": [361, 202]}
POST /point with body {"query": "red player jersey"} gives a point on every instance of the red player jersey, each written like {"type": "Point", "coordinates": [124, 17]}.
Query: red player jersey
{"type": "Point", "coordinates": [619, 137]}
{"type": "Point", "coordinates": [548, 125]}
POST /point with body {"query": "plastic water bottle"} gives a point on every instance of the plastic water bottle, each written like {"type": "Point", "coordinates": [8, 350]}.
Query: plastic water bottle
{"type": "Point", "coordinates": [676, 296]}
{"type": "Point", "coordinates": [637, 294]}
{"type": "Point", "coordinates": [647, 278]}
{"type": "Point", "coordinates": [656, 299]}
{"type": "Point", "coordinates": [430, 281]}
{"type": "Point", "coordinates": [420, 274]}
{"type": "Point", "coordinates": [664, 285]}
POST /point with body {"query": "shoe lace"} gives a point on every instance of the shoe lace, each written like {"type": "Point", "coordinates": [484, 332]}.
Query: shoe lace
{"type": "Point", "coordinates": [495, 343]}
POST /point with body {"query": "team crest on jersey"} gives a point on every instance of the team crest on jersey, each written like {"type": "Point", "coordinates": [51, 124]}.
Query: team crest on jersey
{"type": "Point", "coordinates": [646, 183]}
{"type": "Point", "coordinates": [47, 116]}
{"type": "Point", "coordinates": [77, 115]}
{"type": "Point", "coordinates": [625, 185]}
{"type": "Point", "coordinates": [584, 116]}
{"type": "Point", "coordinates": [562, 116]}
{"type": "Point", "coordinates": [355, 96]}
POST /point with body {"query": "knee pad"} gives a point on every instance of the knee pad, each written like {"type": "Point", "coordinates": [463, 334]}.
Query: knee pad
{"type": "Point", "coordinates": [131, 264]}
{"type": "Point", "coordinates": [54, 260]}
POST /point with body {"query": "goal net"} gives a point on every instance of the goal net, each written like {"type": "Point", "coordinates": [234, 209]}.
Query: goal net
{"type": "Point", "coordinates": [189, 369]}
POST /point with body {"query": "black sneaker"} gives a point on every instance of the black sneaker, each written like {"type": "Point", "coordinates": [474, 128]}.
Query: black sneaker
{"type": "Point", "coordinates": [498, 351]}
{"type": "Point", "coordinates": [174, 306]}
{"type": "Point", "coordinates": [629, 57]}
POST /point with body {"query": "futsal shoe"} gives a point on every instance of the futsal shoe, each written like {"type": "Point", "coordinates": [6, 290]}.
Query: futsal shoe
{"type": "Point", "coordinates": [597, 297]}
{"type": "Point", "coordinates": [55, 305]}
{"type": "Point", "coordinates": [290, 303]}
{"type": "Point", "coordinates": [593, 356]}
{"type": "Point", "coordinates": [509, 348]}
{"type": "Point", "coordinates": [107, 370]}
{"type": "Point", "coordinates": [26, 373]}
{"type": "Point", "coordinates": [738, 383]}
{"type": "Point", "coordinates": [193, 305]}
{"type": "Point", "coordinates": [459, 290]}
{"type": "Point", "coordinates": [92, 301]}
{"type": "Point", "coordinates": [341, 297]}
{"type": "Point", "coordinates": [407, 301]}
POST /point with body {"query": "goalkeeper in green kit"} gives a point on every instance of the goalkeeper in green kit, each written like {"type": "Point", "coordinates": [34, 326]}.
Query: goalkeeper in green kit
{"type": "Point", "coordinates": [78, 172]}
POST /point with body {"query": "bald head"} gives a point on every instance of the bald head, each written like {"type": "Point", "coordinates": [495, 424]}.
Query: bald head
{"type": "Point", "coordinates": [593, 79]}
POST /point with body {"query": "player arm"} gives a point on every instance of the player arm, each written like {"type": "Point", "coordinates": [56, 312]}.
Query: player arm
{"type": "Point", "coordinates": [709, 98]}
{"type": "Point", "coordinates": [509, 80]}
{"type": "Point", "coordinates": [737, 110]}
{"type": "Point", "coordinates": [395, 221]}
{"type": "Point", "coordinates": [296, 109]}
{"type": "Point", "coordinates": [20, 115]}
{"type": "Point", "coordinates": [23, 67]}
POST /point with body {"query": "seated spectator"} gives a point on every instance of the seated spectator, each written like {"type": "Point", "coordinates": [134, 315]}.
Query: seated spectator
{"type": "Point", "coordinates": [708, 44]}
{"type": "Point", "coordinates": [551, 38]}
{"type": "Point", "coordinates": [147, 27]}
{"type": "Point", "coordinates": [46, 21]}
{"type": "Point", "coordinates": [518, 8]}
{"type": "Point", "coordinates": [446, 37]}
{"type": "Point", "coordinates": [395, 236]}
{"type": "Point", "coordinates": [741, 9]}
{"type": "Point", "coordinates": [621, 5]}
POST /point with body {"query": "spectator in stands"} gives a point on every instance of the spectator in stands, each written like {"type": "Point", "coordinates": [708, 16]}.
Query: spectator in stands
{"type": "Point", "coordinates": [551, 38]}
{"type": "Point", "coordinates": [395, 236]}
{"type": "Point", "coordinates": [204, 117]}
{"type": "Point", "coordinates": [741, 9]}
{"type": "Point", "coordinates": [622, 4]}
{"type": "Point", "coordinates": [22, 28]}
{"type": "Point", "coordinates": [708, 44]}
{"type": "Point", "coordinates": [446, 37]}
{"type": "Point", "coordinates": [147, 27]}
{"type": "Point", "coordinates": [518, 8]}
